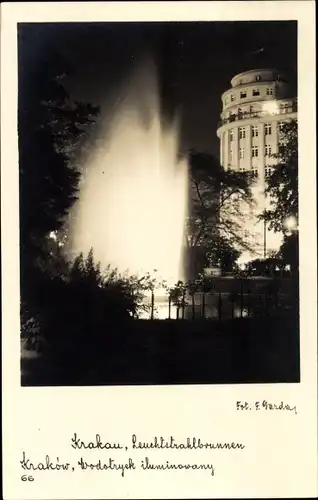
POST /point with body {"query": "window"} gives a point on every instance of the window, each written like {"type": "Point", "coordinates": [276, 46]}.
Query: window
{"type": "Point", "coordinates": [241, 153]}
{"type": "Point", "coordinates": [231, 156]}
{"type": "Point", "coordinates": [255, 92]}
{"type": "Point", "coordinates": [258, 78]}
{"type": "Point", "coordinates": [254, 131]}
{"type": "Point", "coordinates": [268, 171]}
{"type": "Point", "coordinates": [243, 94]}
{"type": "Point", "coordinates": [254, 151]}
{"type": "Point", "coordinates": [284, 107]}
{"type": "Point", "coordinates": [232, 97]}
{"type": "Point", "coordinates": [280, 126]}
{"type": "Point", "coordinates": [255, 173]}
{"type": "Point", "coordinates": [232, 135]}
{"type": "Point", "coordinates": [242, 169]}
{"type": "Point", "coordinates": [242, 132]}
{"type": "Point", "coordinates": [268, 150]}
{"type": "Point", "coordinates": [269, 91]}
{"type": "Point", "coordinates": [268, 128]}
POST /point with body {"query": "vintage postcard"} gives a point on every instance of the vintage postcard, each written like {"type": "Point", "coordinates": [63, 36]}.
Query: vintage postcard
{"type": "Point", "coordinates": [159, 250]}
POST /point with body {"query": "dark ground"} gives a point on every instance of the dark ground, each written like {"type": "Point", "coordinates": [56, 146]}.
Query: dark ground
{"type": "Point", "coordinates": [244, 350]}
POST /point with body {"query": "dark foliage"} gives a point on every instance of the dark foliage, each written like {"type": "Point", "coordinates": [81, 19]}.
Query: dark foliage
{"type": "Point", "coordinates": [50, 128]}
{"type": "Point", "coordinates": [213, 234]}
{"type": "Point", "coordinates": [282, 184]}
{"type": "Point", "coordinates": [248, 350]}
{"type": "Point", "coordinates": [73, 309]}
{"type": "Point", "coordinates": [289, 251]}
{"type": "Point", "coordinates": [272, 266]}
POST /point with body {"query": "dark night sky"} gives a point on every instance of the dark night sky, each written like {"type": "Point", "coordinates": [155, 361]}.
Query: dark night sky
{"type": "Point", "coordinates": [196, 61]}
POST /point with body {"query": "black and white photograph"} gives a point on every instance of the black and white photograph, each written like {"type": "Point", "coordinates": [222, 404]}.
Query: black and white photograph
{"type": "Point", "coordinates": [158, 249]}
{"type": "Point", "coordinates": [158, 177]}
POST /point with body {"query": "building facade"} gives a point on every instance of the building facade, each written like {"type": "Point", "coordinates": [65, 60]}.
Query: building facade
{"type": "Point", "coordinates": [253, 110]}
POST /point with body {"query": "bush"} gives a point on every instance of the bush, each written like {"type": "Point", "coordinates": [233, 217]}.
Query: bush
{"type": "Point", "coordinates": [77, 311]}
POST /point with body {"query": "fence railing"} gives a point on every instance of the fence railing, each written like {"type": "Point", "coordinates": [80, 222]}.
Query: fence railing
{"type": "Point", "coordinates": [292, 108]}
{"type": "Point", "coordinates": [218, 305]}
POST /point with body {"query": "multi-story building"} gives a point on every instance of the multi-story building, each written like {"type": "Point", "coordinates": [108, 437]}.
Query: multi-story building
{"type": "Point", "coordinates": [253, 111]}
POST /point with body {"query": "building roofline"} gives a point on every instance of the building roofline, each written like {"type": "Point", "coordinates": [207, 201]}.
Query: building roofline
{"type": "Point", "coordinates": [256, 70]}
{"type": "Point", "coordinates": [253, 70]}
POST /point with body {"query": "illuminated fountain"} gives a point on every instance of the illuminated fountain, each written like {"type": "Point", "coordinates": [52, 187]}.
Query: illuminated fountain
{"type": "Point", "coordinates": [133, 197]}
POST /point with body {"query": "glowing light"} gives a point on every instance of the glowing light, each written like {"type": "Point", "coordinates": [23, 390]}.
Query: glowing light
{"type": "Point", "coordinates": [290, 223]}
{"type": "Point", "coordinates": [133, 200]}
{"type": "Point", "coordinates": [270, 107]}
{"type": "Point", "coordinates": [53, 235]}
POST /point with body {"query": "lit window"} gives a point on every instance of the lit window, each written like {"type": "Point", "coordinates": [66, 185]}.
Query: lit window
{"type": "Point", "coordinates": [242, 132]}
{"type": "Point", "coordinates": [232, 97]}
{"type": "Point", "coordinates": [231, 135]}
{"type": "Point", "coordinates": [254, 151]}
{"type": "Point", "coordinates": [270, 107]}
{"type": "Point", "coordinates": [268, 150]}
{"type": "Point", "coordinates": [269, 91]}
{"type": "Point", "coordinates": [241, 153]}
{"type": "Point", "coordinates": [255, 92]}
{"type": "Point", "coordinates": [258, 78]}
{"type": "Point", "coordinates": [254, 131]}
{"type": "Point", "coordinates": [243, 94]}
{"type": "Point", "coordinates": [268, 128]}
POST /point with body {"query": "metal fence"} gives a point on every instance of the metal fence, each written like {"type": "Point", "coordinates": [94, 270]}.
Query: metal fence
{"type": "Point", "coordinates": [218, 305]}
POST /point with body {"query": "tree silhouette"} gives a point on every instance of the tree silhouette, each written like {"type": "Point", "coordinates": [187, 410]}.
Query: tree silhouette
{"type": "Point", "coordinates": [51, 129]}
{"type": "Point", "coordinates": [213, 232]}
{"type": "Point", "coordinates": [282, 189]}
{"type": "Point", "coordinates": [289, 250]}
{"type": "Point", "coordinates": [282, 184]}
